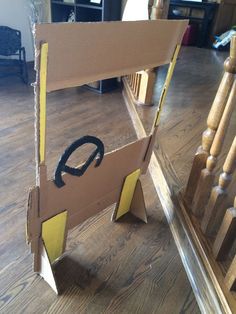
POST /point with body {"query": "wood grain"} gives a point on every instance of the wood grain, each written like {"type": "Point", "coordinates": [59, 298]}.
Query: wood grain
{"type": "Point", "coordinates": [213, 121]}
{"type": "Point", "coordinates": [207, 175]}
{"type": "Point", "coordinates": [182, 122]}
{"type": "Point", "coordinates": [225, 235]}
{"type": "Point", "coordinates": [215, 209]}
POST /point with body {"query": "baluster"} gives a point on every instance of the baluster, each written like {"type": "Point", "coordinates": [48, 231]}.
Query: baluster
{"type": "Point", "coordinates": [213, 121]}
{"type": "Point", "coordinates": [157, 10]}
{"type": "Point", "coordinates": [138, 84]}
{"type": "Point", "coordinates": [230, 278]}
{"type": "Point", "coordinates": [207, 175]}
{"type": "Point", "coordinates": [214, 210]}
{"type": "Point", "coordinates": [128, 78]}
{"type": "Point", "coordinates": [132, 81]}
{"type": "Point", "coordinates": [147, 86]}
{"type": "Point", "coordinates": [135, 85]}
{"type": "Point", "coordinates": [226, 234]}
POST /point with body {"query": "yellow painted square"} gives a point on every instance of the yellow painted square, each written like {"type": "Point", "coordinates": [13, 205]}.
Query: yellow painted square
{"type": "Point", "coordinates": [53, 234]}
{"type": "Point", "coordinates": [127, 193]}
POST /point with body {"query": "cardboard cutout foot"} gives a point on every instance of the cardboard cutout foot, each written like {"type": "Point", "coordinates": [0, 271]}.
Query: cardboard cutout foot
{"type": "Point", "coordinates": [131, 199]}
{"type": "Point", "coordinates": [46, 270]}
{"type": "Point", "coordinates": [138, 208]}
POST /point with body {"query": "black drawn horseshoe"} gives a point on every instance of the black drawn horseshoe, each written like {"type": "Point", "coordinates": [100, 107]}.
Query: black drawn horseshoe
{"type": "Point", "coordinates": [62, 167]}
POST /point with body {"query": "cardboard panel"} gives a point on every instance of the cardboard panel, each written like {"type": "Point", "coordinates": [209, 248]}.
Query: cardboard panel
{"type": "Point", "coordinates": [80, 53]}
{"type": "Point", "coordinates": [98, 188]}
{"type": "Point", "coordinates": [127, 193]}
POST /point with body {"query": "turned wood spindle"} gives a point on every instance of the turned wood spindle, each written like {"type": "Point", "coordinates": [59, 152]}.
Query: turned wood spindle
{"type": "Point", "coordinates": [214, 211]}
{"type": "Point", "coordinates": [226, 234]}
{"type": "Point", "coordinates": [213, 121]}
{"type": "Point", "coordinates": [230, 278]}
{"type": "Point", "coordinates": [213, 214]}
{"type": "Point", "coordinates": [157, 10]}
{"type": "Point", "coordinates": [147, 83]}
{"type": "Point", "coordinates": [207, 176]}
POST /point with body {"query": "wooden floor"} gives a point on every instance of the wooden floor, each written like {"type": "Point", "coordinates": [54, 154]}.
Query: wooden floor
{"type": "Point", "coordinates": [126, 267]}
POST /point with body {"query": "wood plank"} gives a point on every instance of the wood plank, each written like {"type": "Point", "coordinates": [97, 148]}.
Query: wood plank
{"type": "Point", "coordinates": [208, 174]}
{"type": "Point", "coordinates": [215, 209]}
{"type": "Point", "coordinates": [230, 278]}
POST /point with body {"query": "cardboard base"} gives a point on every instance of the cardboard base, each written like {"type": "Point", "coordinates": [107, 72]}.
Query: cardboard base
{"type": "Point", "coordinates": [46, 271]}
{"type": "Point", "coordinates": [137, 207]}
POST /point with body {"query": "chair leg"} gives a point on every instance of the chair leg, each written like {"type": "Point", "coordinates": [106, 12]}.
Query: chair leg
{"type": "Point", "coordinates": [23, 67]}
{"type": "Point", "coordinates": [25, 77]}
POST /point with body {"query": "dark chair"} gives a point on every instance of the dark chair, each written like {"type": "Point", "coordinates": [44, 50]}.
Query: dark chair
{"type": "Point", "coordinates": [10, 45]}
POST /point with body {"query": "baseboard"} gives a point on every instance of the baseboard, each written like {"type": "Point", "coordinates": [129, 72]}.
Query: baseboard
{"type": "Point", "coordinates": [213, 268]}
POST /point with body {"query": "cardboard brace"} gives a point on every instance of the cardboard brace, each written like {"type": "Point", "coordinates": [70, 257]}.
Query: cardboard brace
{"type": "Point", "coordinates": [74, 54]}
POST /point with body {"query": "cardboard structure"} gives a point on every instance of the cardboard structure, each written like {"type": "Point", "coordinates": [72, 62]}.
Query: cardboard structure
{"type": "Point", "coordinates": [70, 55]}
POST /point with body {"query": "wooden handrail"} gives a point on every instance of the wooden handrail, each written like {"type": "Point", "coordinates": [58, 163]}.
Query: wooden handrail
{"type": "Point", "coordinates": [226, 234]}
{"type": "Point", "coordinates": [213, 121]}
{"type": "Point", "coordinates": [214, 212]}
{"type": "Point", "coordinates": [207, 175]}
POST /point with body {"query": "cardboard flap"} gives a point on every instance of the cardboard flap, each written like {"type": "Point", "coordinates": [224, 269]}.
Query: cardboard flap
{"type": "Point", "coordinates": [46, 270]}
{"type": "Point", "coordinates": [80, 53]}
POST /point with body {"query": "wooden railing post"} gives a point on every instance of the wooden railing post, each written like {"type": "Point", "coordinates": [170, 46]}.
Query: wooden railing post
{"type": "Point", "coordinates": [230, 278]}
{"type": "Point", "coordinates": [157, 10]}
{"type": "Point", "coordinates": [207, 175]}
{"type": "Point", "coordinates": [226, 234]}
{"type": "Point", "coordinates": [213, 121]}
{"type": "Point", "coordinates": [213, 213]}
{"type": "Point", "coordinates": [147, 83]}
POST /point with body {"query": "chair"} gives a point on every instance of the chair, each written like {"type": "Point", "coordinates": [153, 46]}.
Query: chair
{"type": "Point", "coordinates": [10, 45]}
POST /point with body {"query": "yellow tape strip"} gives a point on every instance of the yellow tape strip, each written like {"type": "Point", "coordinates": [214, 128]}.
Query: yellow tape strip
{"type": "Point", "coordinates": [53, 234]}
{"type": "Point", "coordinates": [166, 84]}
{"type": "Point", "coordinates": [127, 193]}
{"type": "Point", "coordinates": [42, 101]}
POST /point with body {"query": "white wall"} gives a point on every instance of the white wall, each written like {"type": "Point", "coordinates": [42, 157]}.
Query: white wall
{"type": "Point", "coordinates": [15, 14]}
